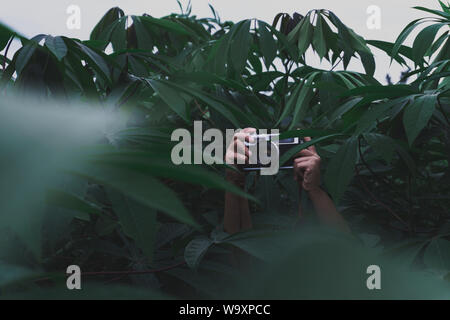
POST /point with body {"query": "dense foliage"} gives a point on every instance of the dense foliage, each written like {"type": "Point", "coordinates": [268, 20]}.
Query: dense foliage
{"type": "Point", "coordinates": [128, 210]}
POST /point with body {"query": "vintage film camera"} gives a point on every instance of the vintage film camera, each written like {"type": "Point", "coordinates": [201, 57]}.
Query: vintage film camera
{"type": "Point", "coordinates": [276, 145]}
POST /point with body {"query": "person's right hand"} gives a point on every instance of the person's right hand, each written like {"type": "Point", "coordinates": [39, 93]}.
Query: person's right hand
{"type": "Point", "coordinates": [237, 150]}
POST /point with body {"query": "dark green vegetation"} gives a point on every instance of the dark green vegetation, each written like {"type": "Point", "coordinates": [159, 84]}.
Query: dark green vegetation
{"type": "Point", "coordinates": [385, 150]}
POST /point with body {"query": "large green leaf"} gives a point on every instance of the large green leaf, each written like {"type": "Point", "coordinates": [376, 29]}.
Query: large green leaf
{"type": "Point", "coordinates": [319, 41]}
{"type": "Point", "coordinates": [24, 56]}
{"type": "Point", "coordinates": [57, 46]}
{"type": "Point", "coordinates": [267, 44]}
{"type": "Point", "coordinates": [171, 26]}
{"type": "Point", "coordinates": [119, 35]}
{"type": "Point", "coordinates": [240, 46]}
{"type": "Point", "coordinates": [144, 39]}
{"type": "Point", "coordinates": [158, 164]}
{"type": "Point", "coordinates": [302, 103]}
{"type": "Point", "coordinates": [319, 138]}
{"type": "Point", "coordinates": [383, 145]}
{"type": "Point", "coordinates": [70, 201]}
{"type": "Point", "coordinates": [403, 35]}
{"type": "Point", "coordinates": [340, 169]}
{"type": "Point", "coordinates": [195, 250]}
{"type": "Point", "coordinates": [424, 40]}
{"type": "Point", "coordinates": [230, 111]}
{"type": "Point", "coordinates": [103, 28]}
{"type": "Point", "coordinates": [138, 221]}
{"type": "Point", "coordinates": [306, 34]}
{"type": "Point", "coordinates": [171, 97]}
{"type": "Point", "coordinates": [376, 112]}
{"type": "Point", "coordinates": [142, 188]}
{"type": "Point", "coordinates": [5, 35]}
{"type": "Point", "coordinates": [417, 115]}
{"type": "Point", "coordinates": [296, 100]}
{"type": "Point", "coordinates": [96, 61]}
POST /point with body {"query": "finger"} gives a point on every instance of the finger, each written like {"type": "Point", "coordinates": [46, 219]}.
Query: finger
{"type": "Point", "coordinates": [240, 158]}
{"type": "Point", "coordinates": [243, 136]}
{"type": "Point", "coordinates": [305, 153]}
{"type": "Point", "coordinates": [249, 130]}
{"type": "Point", "coordinates": [304, 159]}
{"type": "Point", "coordinates": [236, 158]}
{"type": "Point", "coordinates": [240, 148]}
{"type": "Point", "coordinates": [298, 173]}
{"type": "Point", "coordinates": [303, 165]}
{"type": "Point", "coordinates": [311, 148]}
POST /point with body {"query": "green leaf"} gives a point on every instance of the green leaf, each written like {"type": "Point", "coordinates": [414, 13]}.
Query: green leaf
{"type": "Point", "coordinates": [70, 201]}
{"type": "Point", "coordinates": [265, 245]}
{"type": "Point", "coordinates": [164, 23]}
{"type": "Point", "coordinates": [306, 34]}
{"type": "Point", "coordinates": [340, 169]}
{"type": "Point", "coordinates": [437, 44]}
{"type": "Point", "coordinates": [24, 56]}
{"type": "Point", "coordinates": [97, 62]}
{"type": "Point", "coordinates": [231, 112]}
{"type": "Point", "coordinates": [144, 39]}
{"type": "Point", "coordinates": [142, 188]}
{"type": "Point", "coordinates": [138, 221]}
{"type": "Point", "coordinates": [171, 97]}
{"type": "Point", "coordinates": [417, 115]}
{"type": "Point", "coordinates": [302, 104]}
{"type": "Point", "coordinates": [374, 113]}
{"type": "Point", "coordinates": [380, 91]}
{"type": "Point", "coordinates": [240, 46]}
{"type": "Point", "coordinates": [368, 62]}
{"type": "Point", "coordinates": [260, 81]}
{"type": "Point", "coordinates": [267, 44]}
{"type": "Point", "coordinates": [297, 97]}
{"type": "Point", "coordinates": [6, 33]}
{"type": "Point", "coordinates": [290, 102]}
{"type": "Point", "coordinates": [320, 138]}
{"type": "Point", "coordinates": [445, 7]}
{"type": "Point", "coordinates": [57, 46]}
{"type": "Point", "coordinates": [319, 41]}
{"type": "Point", "coordinates": [119, 35]}
{"type": "Point", "coordinates": [424, 40]}
{"type": "Point", "coordinates": [388, 47]}
{"type": "Point", "coordinates": [103, 29]}
{"type": "Point", "coordinates": [436, 12]}
{"type": "Point", "coordinates": [358, 42]}
{"type": "Point", "coordinates": [158, 164]}
{"type": "Point", "coordinates": [403, 35]}
{"type": "Point", "coordinates": [195, 250]}
{"type": "Point", "coordinates": [383, 145]}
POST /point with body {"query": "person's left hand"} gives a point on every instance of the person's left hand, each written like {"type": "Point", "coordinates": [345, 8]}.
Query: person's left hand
{"type": "Point", "coordinates": [307, 168]}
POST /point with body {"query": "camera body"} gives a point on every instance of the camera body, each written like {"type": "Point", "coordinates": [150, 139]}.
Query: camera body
{"type": "Point", "coordinates": [269, 143]}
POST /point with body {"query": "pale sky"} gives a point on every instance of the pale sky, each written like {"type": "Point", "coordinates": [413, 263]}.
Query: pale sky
{"type": "Point", "coordinates": [50, 16]}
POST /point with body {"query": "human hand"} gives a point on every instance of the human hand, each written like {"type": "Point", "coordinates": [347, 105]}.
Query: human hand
{"type": "Point", "coordinates": [237, 152]}
{"type": "Point", "coordinates": [307, 168]}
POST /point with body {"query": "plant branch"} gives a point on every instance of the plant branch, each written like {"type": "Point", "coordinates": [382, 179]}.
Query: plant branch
{"type": "Point", "coordinates": [379, 202]}
{"type": "Point", "coordinates": [376, 176]}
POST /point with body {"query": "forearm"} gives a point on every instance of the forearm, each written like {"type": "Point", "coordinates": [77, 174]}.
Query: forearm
{"type": "Point", "coordinates": [326, 210]}
{"type": "Point", "coordinates": [237, 214]}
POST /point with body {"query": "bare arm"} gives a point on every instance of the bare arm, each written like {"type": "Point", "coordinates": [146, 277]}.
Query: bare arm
{"type": "Point", "coordinates": [307, 174]}
{"type": "Point", "coordinates": [326, 210]}
{"type": "Point", "coordinates": [237, 214]}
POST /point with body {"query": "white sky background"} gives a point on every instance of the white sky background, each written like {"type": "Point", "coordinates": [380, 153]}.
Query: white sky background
{"type": "Point", "coordinates": [50, 17]}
